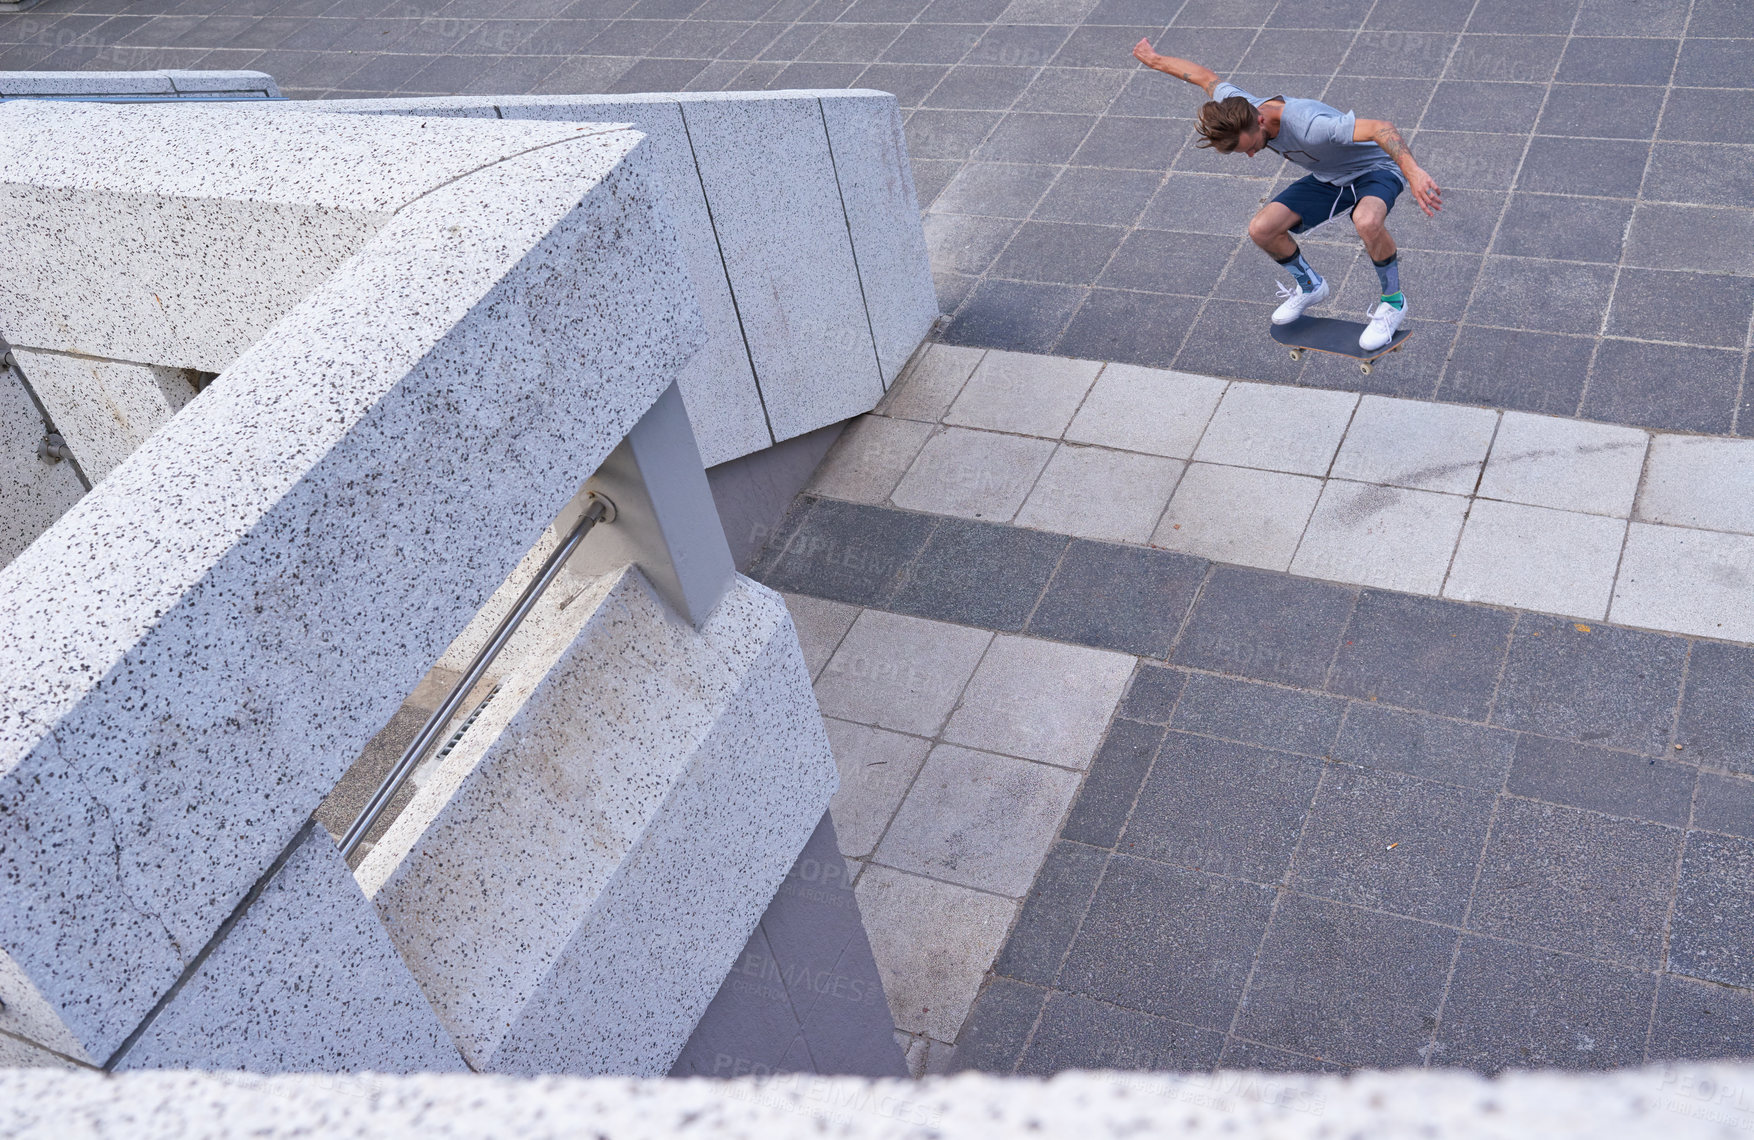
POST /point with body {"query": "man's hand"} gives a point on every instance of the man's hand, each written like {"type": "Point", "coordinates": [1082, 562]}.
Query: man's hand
{"type": "Point", "coordinates": [1425, 192]}
{"type": "Point", "coordinates": [1144, 54]}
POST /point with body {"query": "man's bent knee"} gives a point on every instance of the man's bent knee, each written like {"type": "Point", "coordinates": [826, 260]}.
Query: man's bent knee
{"type": "Point", "coordinates": [1266, 231]}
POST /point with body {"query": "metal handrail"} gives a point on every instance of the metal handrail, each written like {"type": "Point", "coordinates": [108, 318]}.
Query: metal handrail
{"type": "Point", "coordinates": [599, 510]}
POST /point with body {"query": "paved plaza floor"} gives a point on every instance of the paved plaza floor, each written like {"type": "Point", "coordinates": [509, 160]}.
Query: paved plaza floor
{"type": "Point", "coordinates": [1595, 257]}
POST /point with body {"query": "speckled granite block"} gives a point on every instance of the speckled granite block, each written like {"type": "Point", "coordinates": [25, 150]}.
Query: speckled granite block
{"type": "Point", "coordinates": [778, 214]}
{"type": "Point", "coordinates": [189, 658]}
{"type": "Point", "coordinates": [104, 409]}
{"type": "Point", "coordinates": [883, 217]}
{"type": "Point", "coordinates": [571, 891]}
{"type": "Point", "coordinates": [66, 84]}
{"type": "Point", "coordinates": [37, 491]}
{"type": "Point", "coordinates": [305, 981]}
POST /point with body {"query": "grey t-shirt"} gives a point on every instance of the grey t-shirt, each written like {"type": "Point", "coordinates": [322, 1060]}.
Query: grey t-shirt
{"type": "Point", "coordinates": [1318, 138]}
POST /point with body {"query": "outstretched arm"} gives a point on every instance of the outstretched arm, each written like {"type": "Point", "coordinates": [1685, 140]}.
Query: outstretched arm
{"type": "Point", "coordinates": [1383, 134]}
{"type": "Point", "coordinates": [1200, 77]}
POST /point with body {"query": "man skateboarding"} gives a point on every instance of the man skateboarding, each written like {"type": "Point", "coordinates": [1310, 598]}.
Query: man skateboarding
{"type": "Point", "coordinates": [1357, 166]}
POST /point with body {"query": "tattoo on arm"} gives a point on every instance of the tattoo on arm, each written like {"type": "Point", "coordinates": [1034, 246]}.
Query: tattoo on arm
{"type": "Point", "coordinates": [1390, 140]}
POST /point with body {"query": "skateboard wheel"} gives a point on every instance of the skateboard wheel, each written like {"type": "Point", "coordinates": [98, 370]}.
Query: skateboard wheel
{"type": "Point", "coordinates": [1297, 354]}
{"type": "Point", "coordinates": [1365, 368]}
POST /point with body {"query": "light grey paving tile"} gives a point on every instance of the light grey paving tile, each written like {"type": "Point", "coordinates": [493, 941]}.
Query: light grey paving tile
{"type": "Point", "coordinates": [1041, 700]}
{"type": "Point", "coordinates": [979, 819]}
{"type": "Point", "coordinates": [926, 391]}
{"type": "Point", "coordinates": [1153, 410]}
{"type": "Point", "coordinates": [1023, 392]}
{"type": "Point", "coordinates": [1278, 428]}
{"type": "Point", "coordinates": [1534, 558]}
{"type": "Point", "coordinates": [1692, 480]}
{"type": "Point", "coordinates": [933, 942]}
{"type": "Point", "coordinates": [1371, 535]}
{"type": "Point", "coordinates": [869, 459]}
{"type": "Point", "coordinates": [821, 624]}
{"type": "Point", "coordinates": [1092, 492]}
{"type": "Point", "coordinates": [1566, 464]}
{"type": "Point", "coordinates": [1416, 443]}
{"type": "Point", "coordinates": [899, 672]}
{"type": "Point", "coordinates": [1237, 514]}
{"type": "Point", "coordinates": [973, 474]}
{"type": "Point", "coordinates": [1688, 581]}
{"type": "Point", "coordinates": [876, 767]}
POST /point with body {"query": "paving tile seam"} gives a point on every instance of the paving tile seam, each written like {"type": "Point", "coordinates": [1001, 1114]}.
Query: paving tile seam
{"type": "Point", "coordinates": [1603, 622]}
{"type": "Point", "coordinates": [1680, 859]}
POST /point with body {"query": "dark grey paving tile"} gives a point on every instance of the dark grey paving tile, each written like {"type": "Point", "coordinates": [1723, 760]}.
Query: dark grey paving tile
{"type": "Point", "coordinates": [1609, 168]}
{"type": "Point", "coordinates": [1542, 296]}
{"type": "Point", "coordinates": [1228, 339]}
{"type": "Point", "coordinates": [1294, 51]}
{"type": "Point", "coordinates": [996, 189]}
{"type": "Point", "coordinates": [1264, 625]}
{"type": "Point", "coordinates": [1291, 720]}
{"type": "Point", "coordinates": [511, 75]}
{"type": "Point", "coordinates": [1109, 45]}
{"type": "Point", "coordinates": [934, 133]}
{"type": "Point", "coordinates": [1152, 695]}
{"type": "Point", "coordinates": [1247, 1056]}
{"type": "Point", "coordinates": [753, 41]}
{"type": "Point", "coordinates": [1118, 597]}
{"type": "Point", "coordinates": [1702, 238]}
{"type": "Point", "coordinates": [1631, 18]}
{"type": "Point", "coordinates": [1615, 687]}
{"type": "Point", "coordinates": [979, 87]}
{"type": "Point", "coordinates": [930, 178]}
{"type": "Point", "coordinates": [1017, 46]}
{"type": "Point", "coordinates": [963, 243]}
{"type": "Point", "coordinates": [952, 289]}
{"type": "Point", "coordinates": [883, 11]}
{"type": "Point", "coordinates": [1079, 1033]}
{"type": "Point", "coordinates": [1617, 60]}
{"type": "Point", "coordinates": [1697, 308]}
{"type": "Point", "coordinates": [1697, 114]}
{"type": "Point", "coordinates": [846, 552]}
{"type": "Point", "coordinates": [1486, 53]}
{"type": "Point", "coordinates": [1468, 105]}
{"type": "Point", "coordinates": [815, 75]}
{"type": "Point", "coordinates": [749, 1023]}
{"type": "Point", "coordinates": [1469, 160]}
{"type": "Point", "coordinates": [908, 82]}
{"type": "Point", "coordinates": [1223, 13]}
{"type": "Point", "coordinates": [1151, 94]}
{"type": "Point", "coordinates": [656, 75]}
{"type": "Point", "coordinates": [1051, 913]}
{"type": "Point", "coordinates": [385, 73]}
{"type": "Point", "coordinates": [1526, 371]}
{"type": "Point", "coordinates": [1663, 386]}
{"type": "Point", "coordinates": [852, 43]}
{"type": "Point", "coordinates": [1199, 933]}
{"type": "Point", "coordinates": [1423, 653]}
{"type": "Point", "coordinates": [1062, 253]}
{"type": "Point", "coordinates": [1698, 1021]}
{"type": "Point", "coordinates": [1569, 229]}
{"type": "Point", "coordinates": [1419, 15]}
{"type": "Point", "coordinates": [933, 43]}
{"type": "Point", "coordinates": [1110, 786]}
{"type": "Point", "coordinates": [1719, 18]}
{"type": "Point", "coordinates": [1392, 842]}
{"type": "Point", "coordinates": [1701, 173]}
{"type": "Point", "coordinates": [1472, 755]}
{"type": "Point", "coordinates": [1515, 1007]}
{"type": "Point", "coordinates": [1099, 197]}
{"type": "Point", "coordinates": [1465, 223]}
{"type": "Point", "coordinates": [1072, 90]}
{"type": "Point", "coordinates": [1207, 203]}
{"type": "Point", "coordinates": [1712, 932]}
{"type": "Point", "coordinates": [1226, 808]}
{"type": "Point", "coordinates": [1618, 783]}
{"type": "Point", "coordinates": [1412, 54]}
{"type": "Point", "coordinates": [1324, 14]}
{"type": "Point", "coordinates": [1725, 803]}
{"type": "Point", "coordinates": [962, 11]}
{"type": "Point", "coordinates": [1716, 62]}
{"type": "Point", "coordinates": [1129, 326]}
{"type": "Point", "coordinates": [998, 1027]}
{"type": "Point", "coordinates": [978, 574]}
{"type": "Point", "coordinates": [1601, 111]}
{"type": "Point", "coordinates": [1516, 16]}
{"type": "Point", "coordinates": [1162, 261]}
{"type": "Point", "coordinates": [1019, 315]}
{"type": "Point", "coordinates": [1401, 101]}
{"type": "Point", "coordinates": [1347, 985]}
{"type": "Point", "coordinates": [1033, 136]}
{"type": "Point", "coordinates": [1119, 142]}
{"type": "Point", "coordinates": [1573, 880]}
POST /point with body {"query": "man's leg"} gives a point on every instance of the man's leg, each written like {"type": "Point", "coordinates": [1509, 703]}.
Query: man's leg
{"type": "Point", "coordinates": [1271, 230]}
{"type": "Point", "coordinates": [1370, 217]}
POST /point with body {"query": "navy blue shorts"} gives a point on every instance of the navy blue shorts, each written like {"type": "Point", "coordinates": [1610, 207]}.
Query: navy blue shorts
{"type": "Point", "coordinates": [1315, 201]}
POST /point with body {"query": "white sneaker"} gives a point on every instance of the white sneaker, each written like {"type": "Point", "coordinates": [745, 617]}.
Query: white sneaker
{"type": "Point", "coordinates": [1383, 323]}
{"type": "Point", "coordinates": [1296, 301]}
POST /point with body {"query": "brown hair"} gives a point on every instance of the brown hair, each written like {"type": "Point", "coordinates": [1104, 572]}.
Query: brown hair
{"type": "Point", "coordinates": [1223, 121]}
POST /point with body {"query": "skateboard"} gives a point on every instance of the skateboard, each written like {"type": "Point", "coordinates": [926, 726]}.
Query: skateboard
{"type": "Point", "coordinates": [1328, 334]}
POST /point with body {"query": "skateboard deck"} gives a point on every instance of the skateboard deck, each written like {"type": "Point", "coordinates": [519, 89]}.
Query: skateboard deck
{"type": "Point", "coordinates": [1329, 334]}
